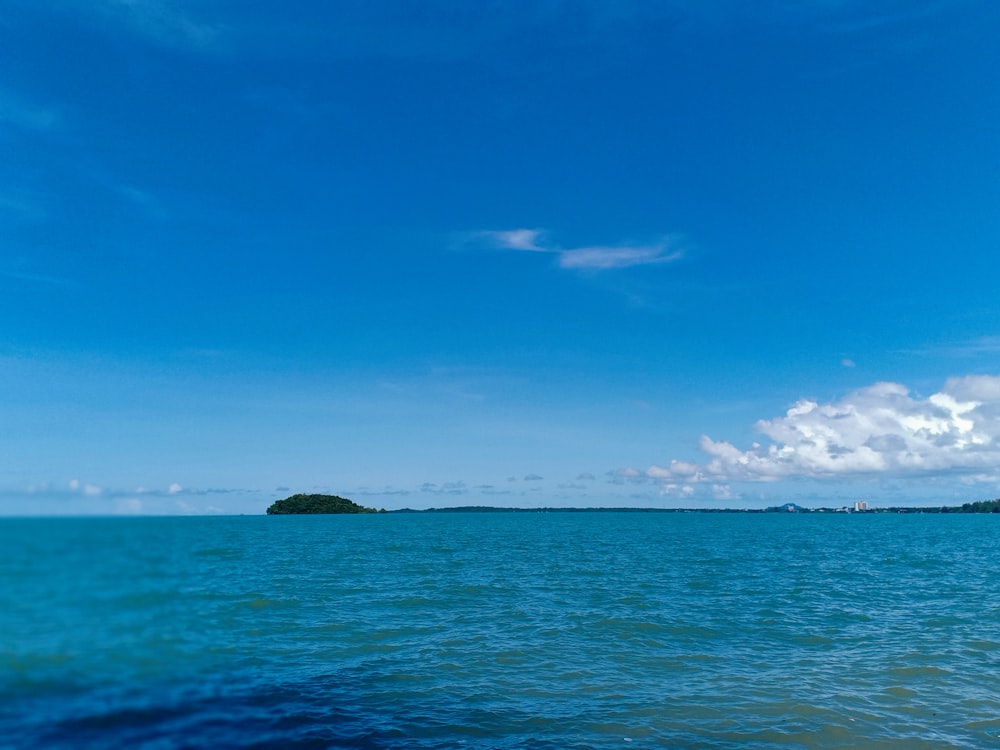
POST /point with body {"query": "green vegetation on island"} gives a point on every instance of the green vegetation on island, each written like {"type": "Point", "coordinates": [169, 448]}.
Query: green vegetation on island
{"type": "Point", "coordinates": [309, 504]}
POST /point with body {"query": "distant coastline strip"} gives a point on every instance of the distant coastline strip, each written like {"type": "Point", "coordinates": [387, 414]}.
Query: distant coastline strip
{"type": "Point", "coordinates": [302, 504]}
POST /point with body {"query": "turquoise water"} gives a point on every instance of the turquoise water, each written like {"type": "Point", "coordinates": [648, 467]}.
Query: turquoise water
{"type": "Point", "coordinates": [501, 631]}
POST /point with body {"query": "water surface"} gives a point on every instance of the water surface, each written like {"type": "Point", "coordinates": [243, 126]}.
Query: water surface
{"type": "Point", "coordinates": [507, 630]}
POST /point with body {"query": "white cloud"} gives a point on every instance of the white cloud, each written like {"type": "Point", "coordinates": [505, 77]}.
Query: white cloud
{"type": "Point", "coordinates": [593, 258]}
{"type": "Point", "coordinates": [881, 429]}
{"type": "Point", "coordinates": [672, 489]}
{"type": "Point", "coordinates": [723, 492]}
{"type": "Point", "coordinates": [174, 488]}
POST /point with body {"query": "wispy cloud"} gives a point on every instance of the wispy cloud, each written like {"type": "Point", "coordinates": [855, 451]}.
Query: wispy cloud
{"type": "Point", "coordinates": [518, 239]}
{"type": "Point", "coordinates": [854, 17]}
{"type": "Point", "coordinates": [590, 258]}
{"type": "Point", "coordinates": [75, 485]}
{"type": "Point", "coordinates": [78, 496]}
{"type": "Point", "coordinates": [878, 430]}
{"type": "Point", "coordinates": [142, 200]}
{"type": "Point", "coordinates": [627, 474]}
{"type": "Point", "coordinates": [166, 23]}
{"type": "Point", "coordinates": [37, 277]}
{"type": "Point", "coordinates": [623, 256]}
{"type": "Point", "coordinates": [16, 111]}
{"type": "Point", "coordinates": [21, 207]}
{"type": "Point", "coordinates": [446, 488]}
{"type": "Point", "coordinates": [988, 345]}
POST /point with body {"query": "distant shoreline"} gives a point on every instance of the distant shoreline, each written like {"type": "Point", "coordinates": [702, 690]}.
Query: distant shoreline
{"type": "Point", "coordinates": [990, 507]}
{"type": "Point", "coordinates": [318, 504]}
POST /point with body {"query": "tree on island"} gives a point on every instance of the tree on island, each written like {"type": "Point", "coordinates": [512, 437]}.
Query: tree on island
{"type": "Point", "coordinates": [306, 504]}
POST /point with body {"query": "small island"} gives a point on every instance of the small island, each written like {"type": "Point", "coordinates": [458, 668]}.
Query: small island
{"type": "Point", "coordinates": [308, 504]}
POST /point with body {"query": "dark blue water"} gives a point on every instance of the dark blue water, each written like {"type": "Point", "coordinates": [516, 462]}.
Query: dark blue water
{"type": "Point", "coordinates": [501, 631]}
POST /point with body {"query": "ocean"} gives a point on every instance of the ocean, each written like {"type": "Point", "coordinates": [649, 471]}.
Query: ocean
{"type": "Point", "coordinates": [501, 630]}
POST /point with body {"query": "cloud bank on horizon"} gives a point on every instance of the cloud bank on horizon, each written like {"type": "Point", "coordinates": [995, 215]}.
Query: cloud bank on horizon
{"type": "Point", "coordinates": [881, 429]}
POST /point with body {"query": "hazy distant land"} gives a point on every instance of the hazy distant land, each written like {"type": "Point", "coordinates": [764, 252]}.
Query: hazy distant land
{"type": "Point", "coordinates": [302, 504]}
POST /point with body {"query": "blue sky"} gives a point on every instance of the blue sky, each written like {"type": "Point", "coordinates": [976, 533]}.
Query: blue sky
{"type": "Point", "coordinates": [659, 254]}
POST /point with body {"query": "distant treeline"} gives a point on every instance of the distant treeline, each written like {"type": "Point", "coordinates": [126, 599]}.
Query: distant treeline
{"type": "Point", "coordinates": [327, 504]}
{"type": "Point", "coordinates": [983, 506]}
{"type": "Point", "coordinates": [494, 509]}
